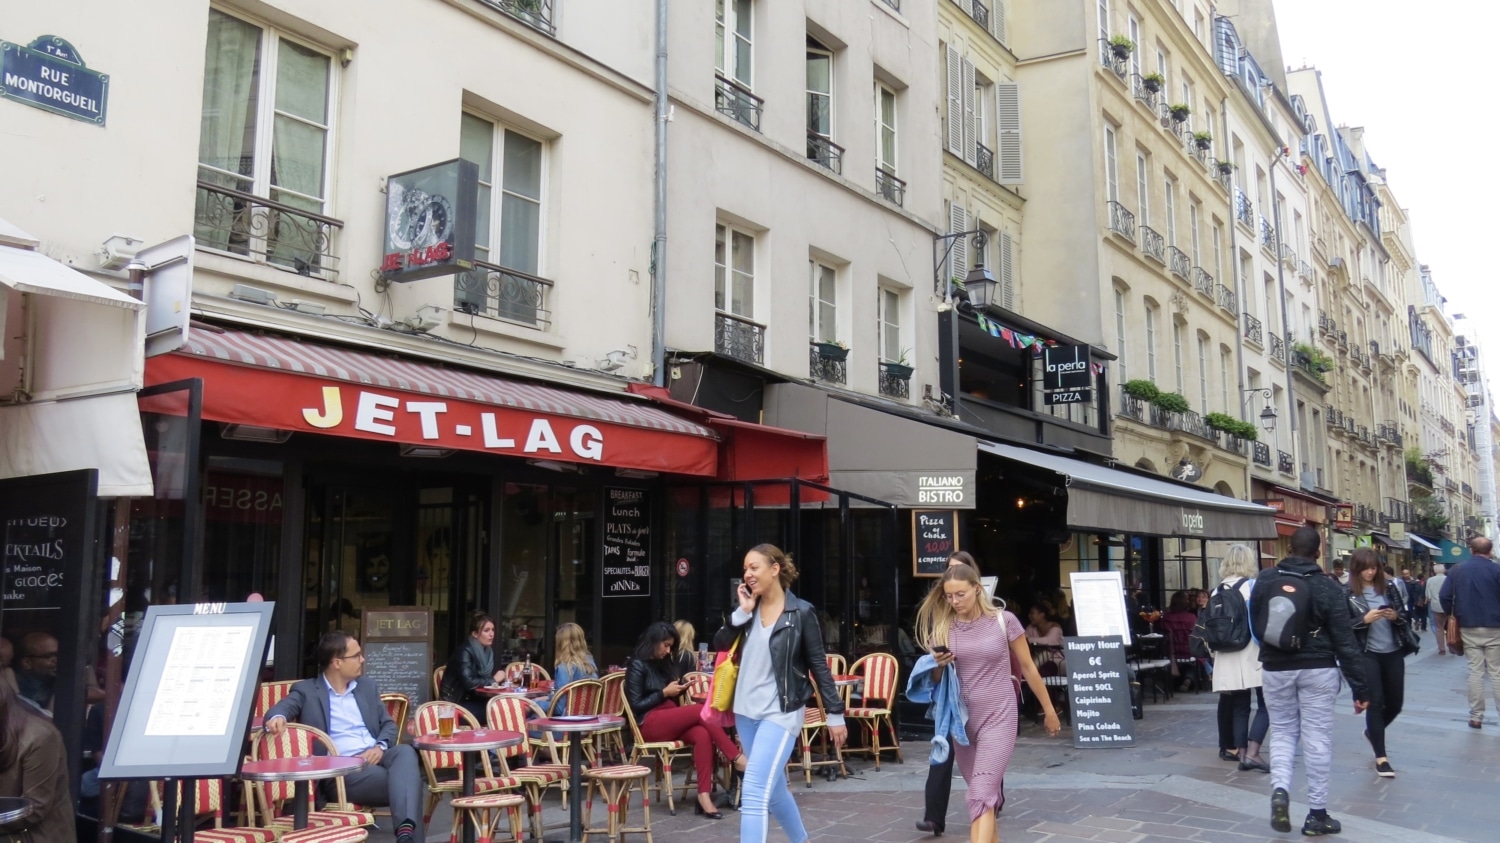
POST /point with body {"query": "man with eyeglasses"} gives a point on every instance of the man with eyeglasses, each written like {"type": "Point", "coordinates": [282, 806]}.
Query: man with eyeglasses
{"type": "Point", "coordinates": [36, 681]}
{"type": "Point", "coordinates": [349, 709]}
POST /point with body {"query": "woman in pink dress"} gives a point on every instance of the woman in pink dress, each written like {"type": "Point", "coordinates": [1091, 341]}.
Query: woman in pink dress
{"type": "Point", "coordinates": [960, 627]}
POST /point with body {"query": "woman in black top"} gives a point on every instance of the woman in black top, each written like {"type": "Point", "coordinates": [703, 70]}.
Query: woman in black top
{"type": "Point", "coordinates": [472, 667]}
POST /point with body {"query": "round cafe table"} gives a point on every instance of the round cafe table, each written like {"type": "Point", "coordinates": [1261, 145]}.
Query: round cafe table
{"type": "Point", "coordinates": [468, 741]}
{"type": "Point", "coordinates": [577, 727]}
{"type": "Point", "coordinates": [299, 771]}
{"type": "Point", "coordinates": [512, 691]}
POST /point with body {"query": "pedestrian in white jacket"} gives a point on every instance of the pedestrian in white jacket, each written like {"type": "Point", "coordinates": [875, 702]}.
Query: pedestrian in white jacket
{"type": "Point", "coordinates": [1237, 674]}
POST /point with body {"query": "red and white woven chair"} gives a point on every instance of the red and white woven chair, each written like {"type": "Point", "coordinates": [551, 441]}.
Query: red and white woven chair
{"type": "Point", "coordinates": [612, 701]}
{"type": "Point", "coordinates": [327, 834]}
{"type": "Point", "coordinates": [880, 672]}
{"type": "Point", "coordinates": [484, 812]}
{"type": "Point", "coordinates": [299, 741]}
{"type": "Point", "coordinates": [815, 727]}
{"type": "Point", "coordinates": [574, 699]}
{"type": "Point", "coordinates": [509, 714]}
{"type": "Point", "coordinates": [208, 799]}
{"type": "Point", "coordinates": [268, 694]}
{"type": "Point", "coordinates": [614, 784]}
{"type": "Point", "coordinates": [444, 768]}
{"type": "Point", "coordinates": [661, 754]}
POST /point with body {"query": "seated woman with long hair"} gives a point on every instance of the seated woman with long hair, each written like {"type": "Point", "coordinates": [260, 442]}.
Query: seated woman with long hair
{"type": "Point", "coordinates": [658, 698]}
{"type": "Point", "coordinates": [472, 667]}
{"type": "Point", "coordinates": [573, 659]}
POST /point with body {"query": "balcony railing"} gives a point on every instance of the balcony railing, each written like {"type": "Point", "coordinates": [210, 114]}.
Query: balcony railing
{"type": "Point", "coordinates": [825, 152]}
{"type": "Point", "coordinates": [1253, 331]}
{"type": "Point", "coordinates": [1243, 211]}
{"type": "Point", "coordinates": [499, 293]}
{"type": "Point", "coordinates": [984, 157]}
{"type": "Point", "coordinates": [1153, 244]}
{"type": "Point", "coordinates": [1326, 325]}
{"type": "Point", "coordinates": [1277, 348]}
{"type": "Point", "coordinates": [1400, 510]}
{"type": "Point", "coordinates": [1200, 152]}
{"type": "Point", "coordinates": [245, 224]}
{"type": "Point", "coordinates": [1468, 490]}
{"type": "Point", "coordinates": [894, 384]}
{"type": "Point", "coordinates": [1343, 339]}
{"type": "Point", "coordinates": [894, 4]}
{"type": "Point", "coordinates": [1305, 271]}
{"type": "Point", "coordinates": [1187, 422]}
{"type": "Point", "coordinates": [981, 15]}
{"type": "Point", "coordinates": [1225, 178]}
{"type": "Point", "coordinates": [1261, 453]}
{"type": "Point", "coordinates": [739, 338]}
{"type": "Point", "coordinates": [827, 369]}
{"type": "Point", "coordinates": [1203, 282]}
{"type": "Point", "coordinates": [887, 185]}
{"type": "Point", "coordinates": [1144, 94]}
{"type": "Point", "coordinates": [735, 100]}
{"type": "Point", "coordinates": [1288, 257]}
{"type": "Point", "coordinates": [1335, 417]}
{"type": "Point", "coordinates": [1349, 424]}
{"type": "Point", "coordinates": [1284, 463]}
{"type": "Point", "coordinates": [1121, 220]}
{"type": "Point", "coordinates": [536, 14]}
{"type": "Point", "coordinates": [1177, 261]}
{"type": "Point", "coordinates": [1228, 299]}
{"type": "Point", "coordinates": [1132, 407]}
{"type": "Point", "coordinates": [1267, 235]}
{"type": "Point", "coordinates": [1110, 61]}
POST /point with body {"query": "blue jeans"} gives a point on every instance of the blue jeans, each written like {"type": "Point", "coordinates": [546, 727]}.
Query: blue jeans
{"type": "Point", "coordinates": [767, 748]}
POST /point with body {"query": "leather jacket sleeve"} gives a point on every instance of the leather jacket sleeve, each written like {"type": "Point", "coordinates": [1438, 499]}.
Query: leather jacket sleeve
{"type": "Point", "coordinates": [817, 662]}
{"type": "Point", "coordinates": [643, 688]}
{"type": "Point", "coordinates": [473, 672]}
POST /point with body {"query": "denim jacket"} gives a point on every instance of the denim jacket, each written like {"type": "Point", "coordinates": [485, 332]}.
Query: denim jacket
{"type": "Point", "coordinates": [946, 709]}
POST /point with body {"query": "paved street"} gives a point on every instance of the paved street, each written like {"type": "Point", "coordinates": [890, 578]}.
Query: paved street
{"type": "Point", "coordinates": [1172, 787]}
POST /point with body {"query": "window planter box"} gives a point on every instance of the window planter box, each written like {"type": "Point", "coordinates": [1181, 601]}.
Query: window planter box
{"type": "Point", "coordinates": [831, 351]}
{"type": "Point", "coordinates": [897, 370]}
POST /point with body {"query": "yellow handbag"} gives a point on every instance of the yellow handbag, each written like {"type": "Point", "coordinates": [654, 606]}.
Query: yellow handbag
{"type": "Point", "coordinates": [726, 674]}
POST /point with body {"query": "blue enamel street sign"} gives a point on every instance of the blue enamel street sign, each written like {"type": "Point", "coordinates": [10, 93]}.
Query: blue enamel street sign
{"type": "Point", "coordinates": [49, 74]}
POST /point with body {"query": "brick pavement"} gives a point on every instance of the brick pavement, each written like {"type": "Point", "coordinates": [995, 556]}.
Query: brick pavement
{"type": "Point", "coordinates": [1171, 785]}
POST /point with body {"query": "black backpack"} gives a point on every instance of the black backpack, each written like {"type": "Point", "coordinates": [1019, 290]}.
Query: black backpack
{"type": "Point", "coordinates": [1224, 624]}
{"type": "Point", "coordinates": [1281, 610]}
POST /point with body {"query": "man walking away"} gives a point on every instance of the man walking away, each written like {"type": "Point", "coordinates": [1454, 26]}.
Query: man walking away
{"type": "Point", "coordinates": [1435, 605]}
{"type": "Point", "coordinates": [1301, 617]}
{"type": "Point", "coordinates": [1472, 594]}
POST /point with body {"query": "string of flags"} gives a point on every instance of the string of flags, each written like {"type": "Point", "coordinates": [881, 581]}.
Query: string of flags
{"type": "Point", "coordinates": [1023, 341]}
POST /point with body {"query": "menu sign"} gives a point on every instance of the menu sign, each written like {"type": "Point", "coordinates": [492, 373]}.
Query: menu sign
{"type": "Point", "coordinates": [36, 550]}
{"type": "Point", "coordinates": [398, 650]}
{"type": "Point", "coordinates": [626, 564]}
{"type": "Point", "coordinates": [1099, 692]}
{"type": "Point", "coordinates": [934, 537]}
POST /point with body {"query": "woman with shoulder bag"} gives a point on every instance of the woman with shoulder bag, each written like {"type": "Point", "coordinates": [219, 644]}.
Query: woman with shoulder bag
{"type": "Point", "coordinates": [1383, 629]}
{"type": "Point", "coordinates": [1237, 675]}
{"type": "Point", "coordinates": [780, 647]}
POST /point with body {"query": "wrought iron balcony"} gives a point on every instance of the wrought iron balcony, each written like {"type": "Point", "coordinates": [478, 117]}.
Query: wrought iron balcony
{"type": "Point", "coordinates": [1186, 421]}
{"type": "Point", "coordinates": [1228, 299]}
{"type": "Point", "coordinates": [1132, 407]}
{"type": "Point", "coordinates": [735, 100]}
{"type": "Point", "coordinates": [1305, 271]}
{"type": "Point", "coordinates": [1277, 348]}
{"type": "Point", "coordinates": [1468, 490]}
{"type": "Point", "coordinates": [1177, 261]}
{"type": "Point", "coordinates": [245, 224]}
{"type": "Point", "coordinates": [894, 4]}
{"type": "Point", "coordinates": [1203, 282]}
{"type": "Point", "coordinates": [499, 293]}
{"type": "Point", "coordinates": [981, 15]}
{"type": "Point", "coordinates": [1144, 94]}
{"type": "Point", "coordinates": [984, 159]}
{"type": "Point", "coordinates": [1225, 178]}
{"type": "Point", "coordinates": [1335, 417]}
{"type": "Point", "coordinates": [1400, 510]}
{"type": "Point", "coordinates": [1349, 424]}
{"type": "Point", "coordinates": [1288, 257]}
{"type": "Point", "coordinates": [1374, 349]}
{"type": "Point", "coordinates": [1111, 61]}
{"type": "Point", "coordinates": [739, 338]}
{"type": "Point", "coordinates": [1199, 152]}
{"type": "Point", "coordinates": [1284, 463]}
{"type": "Point", "coordinates": [1267, 235]}
{"type": "Point", "coordinates": [825, 152]}
{"type": "Point", "coordinates": [1121, 220]}
{"type": "Point", "coordinates": [895, 384]}
{"type": "Point", "coordinates": [827, 369]}
{"type": "Point", "coordinates": [536, 14]}
{"type": "Point", "coordinates": [1153, 245]}
{"type": "Point", "coordinates": [1253, 331]}
{"type": "Point", "coordinates": [1343, 340]}
{"type": "Point", "coordinates": [1362, 433]}
{"type": "Point", "coordinates": [1326, 325]}
{"type": "Point", "coordinates": [887, 185]}
{"type": "Point", "coordinates": [1243, 211]}
{"type": "Point", "coordinates": [1261, 453]}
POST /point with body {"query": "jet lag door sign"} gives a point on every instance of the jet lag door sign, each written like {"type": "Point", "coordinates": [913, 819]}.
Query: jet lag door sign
{"type": "Point", "coordinates": [1066, 375]}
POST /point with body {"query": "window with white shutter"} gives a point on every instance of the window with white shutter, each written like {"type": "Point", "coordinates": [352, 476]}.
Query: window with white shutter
{"type": "Point", "coordinates": [1007, 271]}
{"type": "Point", "coordinates": [999, 26]}
{"type": "Point", "coordinates": [958, 260]}
{"type": "Point", "coordinates": [1008, 163]}
{"type": "Point", "coordinates": [967, 92]}
{"type": "Point", "coordinates": [955, 101]}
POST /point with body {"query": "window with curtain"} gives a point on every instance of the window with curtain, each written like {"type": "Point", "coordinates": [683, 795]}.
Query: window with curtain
{"type": "Point", "coordinates": [1111, 166]}
{"type": "Point", "coordinates": [734, 271]}
{"type": "Point", "coordinates": [1120, 335]}
{"type": "Point", "coordinates": [822, 311]}
{"type": "Point", "coordinates": [266, 116]}
{"type": "Point", "coordinates": [1151, 342]}
{"type": "Point", "coordinates": [1203, 374]}
{"type": "Point", "coordinates": [885, 128]}
{"type": "Point", "coordinates": [733, 30]}
{"type": "Point", "coordinates": [1170, 197]}
{"type": "Point", "coordinates": [1142, 189]}
{"type": "Point", "coordinates": [508, 225]}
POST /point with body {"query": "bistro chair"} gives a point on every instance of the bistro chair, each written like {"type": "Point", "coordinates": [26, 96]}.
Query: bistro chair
{"type": "Point", "coordinates": [837, 665]}
{"type": "Point", "coordinates": [612, 702]}
{"type": "Point", "coordinates": [514, 669]}
{"type": "Point", "coordinates": [484, 811]}
{"type": "Point", "coordinates": [661, 754]}
{"type": "Point", "coordinates": [269, 694]}
{"type": "Point", "coordinates": [614, 785]}
{"type": "Point", "coordinates": [208, 796]}
{"type": "Point", "coordinates": [300, 741]}
{"type": "Point", "coordinates": [815, 725]}
{"type": "Point", "coordinates": [445, 768]}
{"type": "Point", "coordinates": [699, 685]}
{"type": "Point", "coordinates": [331, 834]}
{"type": "Point", "coordinates": [509, 714]}
{"type": "Point", "coordinates": [437, 681]}
{"type": "Point", "coordinates": [880, 671]}
{"type": "Point", "coordinates": [397, 706]}
{"type": "Point", "coordinates": [578, 698]}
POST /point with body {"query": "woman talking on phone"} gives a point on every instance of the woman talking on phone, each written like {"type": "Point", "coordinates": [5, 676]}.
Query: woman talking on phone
{"type": "Point", "coordinates": [780, 643]}
{"type": "Point", "coordinates": [960, 626]}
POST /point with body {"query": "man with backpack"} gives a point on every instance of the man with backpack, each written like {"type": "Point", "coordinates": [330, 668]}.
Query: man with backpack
{"type": "Point", "coordinates": [1300, 615]}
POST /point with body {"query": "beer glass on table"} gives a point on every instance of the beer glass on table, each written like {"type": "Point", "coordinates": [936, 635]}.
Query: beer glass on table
{"type": "Point", "coordinates": [446, 716]}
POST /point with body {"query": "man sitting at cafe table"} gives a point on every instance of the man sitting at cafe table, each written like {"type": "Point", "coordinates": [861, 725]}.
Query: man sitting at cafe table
{"type": "Point", "coordinates": [349, 709]}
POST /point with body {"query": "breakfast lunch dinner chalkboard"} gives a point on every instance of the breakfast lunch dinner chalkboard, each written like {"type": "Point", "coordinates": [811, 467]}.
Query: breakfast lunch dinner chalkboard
{"type": "Point", "coordinates": [1099, 692]}
{"type": "Point", "coordinates": [398, 650]}
{"type": "Point", "coordinates": [626, 565]}
{"type": "Point", "coordinates": [934, 537]}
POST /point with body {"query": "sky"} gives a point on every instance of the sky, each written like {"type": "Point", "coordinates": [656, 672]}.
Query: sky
{"type": "Point", "coordinates": [1420, 78]}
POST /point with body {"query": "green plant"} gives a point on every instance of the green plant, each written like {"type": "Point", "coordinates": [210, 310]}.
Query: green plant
{"type": "Point", "coordinates": [1203, 139]}
{"type": "Point", "coordinates": [1143, 389]}
{"type": "Point", "coordinates": [1232, 426]}
{"type": "Point", "coordinates": [1225, 167]}
{"type": "Point", "coordinates": [1180, 111]}
{"type": "Point", "coordinates": [901, 359]}
{"type": "Point", "coordinates": [1153, 81]}
{"type": "Point", "coordinates": [1171, 402]}
{"type": "Point", "coordinates": [1121, 45]}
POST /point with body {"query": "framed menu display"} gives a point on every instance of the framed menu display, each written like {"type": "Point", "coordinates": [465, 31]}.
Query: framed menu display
{"type": "Point", "coordinates": [191, 688]}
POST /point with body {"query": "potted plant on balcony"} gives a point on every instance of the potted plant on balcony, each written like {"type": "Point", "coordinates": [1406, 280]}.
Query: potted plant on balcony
{"type": "Point", "coordinates": [1153, 82]}
{"type": "Point", "coordinates": [1121, 47]}
{"type": "Point", "coordinates": [832, 350]}
{"type": "Point", "coordinates": [1171, 402]}
{"type": "Point", "coordinates": [1203, 140]}
{"type": "Point", "coordinates": [1224, 167]}
{"type": "Point", "coordinates": [1179, 111]}
{"type": "Point", "coordinates": [1232, 426]}
{"type": "Point", "coordinates": [900, 368]}
{"type": "Point", "coordinates": [1142, 390]}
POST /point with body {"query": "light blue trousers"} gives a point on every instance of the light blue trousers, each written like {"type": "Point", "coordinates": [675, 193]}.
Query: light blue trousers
{"type": "Point", "coordinates": [767, 747]}
{"type": "Point", "coordinates": [1301, 704]}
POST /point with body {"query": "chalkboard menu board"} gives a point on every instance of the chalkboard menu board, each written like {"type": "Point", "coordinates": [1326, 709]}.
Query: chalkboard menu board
{"type": "Point", "coordinates": [934, 537]}
{"type": "Point", "coordinates": [398, 651]}
{"type": "Point", "coordinates": [626, 564]}
{"type": "Point", "coordinates": [1099, 692]}
{"type": "Point", "coordinates": [36, 553]}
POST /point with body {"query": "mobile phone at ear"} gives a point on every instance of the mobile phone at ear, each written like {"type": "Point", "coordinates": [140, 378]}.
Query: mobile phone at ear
{"type": "Point", "coordinates": [940, 649]}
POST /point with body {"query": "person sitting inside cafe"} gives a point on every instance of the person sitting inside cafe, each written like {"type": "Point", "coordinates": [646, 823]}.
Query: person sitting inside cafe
{"type": "Point", "coordinates": [350, 711]}
{"type": "Point", "coordinates": [37, 678]}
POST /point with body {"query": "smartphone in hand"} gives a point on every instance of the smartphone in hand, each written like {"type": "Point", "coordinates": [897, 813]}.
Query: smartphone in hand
{"type": "Point", "coordinates": [941, 649]}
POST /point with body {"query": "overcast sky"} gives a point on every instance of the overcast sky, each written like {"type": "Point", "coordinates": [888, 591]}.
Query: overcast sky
{"type": "Point", "coordinates": [1419, 78]}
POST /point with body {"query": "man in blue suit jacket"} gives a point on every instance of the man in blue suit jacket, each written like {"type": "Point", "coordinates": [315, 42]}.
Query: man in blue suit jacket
{"type": "Point", "coordinates": [350, 711]}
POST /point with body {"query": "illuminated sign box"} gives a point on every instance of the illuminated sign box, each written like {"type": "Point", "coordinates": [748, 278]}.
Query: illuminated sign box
{"type": "Point", "coordinates": [429, 221]}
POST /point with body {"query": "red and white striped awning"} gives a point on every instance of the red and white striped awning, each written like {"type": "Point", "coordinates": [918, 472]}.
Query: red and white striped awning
{"type": "Point", "coordinates": [291, 384]}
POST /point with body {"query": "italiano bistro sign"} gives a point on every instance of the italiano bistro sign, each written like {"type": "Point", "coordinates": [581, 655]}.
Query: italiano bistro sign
{"type": "Point", "coordinates": [49, 74]}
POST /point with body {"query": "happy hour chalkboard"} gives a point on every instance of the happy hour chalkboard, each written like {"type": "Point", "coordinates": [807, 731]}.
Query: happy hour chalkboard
{"type": "Point", "coordinates": [626, 567]}
{"type": "Point", "coordinates": [1099, 692]}
{"type": "Point", "coordinates": [934, 537]}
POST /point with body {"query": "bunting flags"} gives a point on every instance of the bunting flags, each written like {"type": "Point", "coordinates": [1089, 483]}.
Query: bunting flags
{"type": "Point", "coordinates": [1018, 340]}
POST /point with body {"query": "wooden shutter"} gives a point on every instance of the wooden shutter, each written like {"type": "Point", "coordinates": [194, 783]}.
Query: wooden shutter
{"type": "Point", "coordinates": [967, 6]}
{"type": "Point", "coordinates": [1007, 272]}
{"type": "Point", "coordinates": [998, 23]}
{"type": "Point", "coordinates": [955, 102]}
{"type": "Point", "coordinates": [958, 220]}
{"type": "Point", "coordinates": [1008, 169]}
{"type": "Point", "coordinates": [970, 151]}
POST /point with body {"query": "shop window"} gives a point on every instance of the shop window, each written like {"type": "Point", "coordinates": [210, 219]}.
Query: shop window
{"type": "Point", "coordinates": [242, 523]}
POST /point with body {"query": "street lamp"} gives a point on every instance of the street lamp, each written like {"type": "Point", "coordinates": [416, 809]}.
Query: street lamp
{"type": "Point", "coordinates": [1268, 413]}
{"type": "Point", "coordinates": [977, 289]}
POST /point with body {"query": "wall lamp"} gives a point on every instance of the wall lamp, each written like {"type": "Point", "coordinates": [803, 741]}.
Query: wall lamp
{"type": "Point", "coordinates": [978, 287]}
{"type": "Point", "coordinates": [1268, 413]}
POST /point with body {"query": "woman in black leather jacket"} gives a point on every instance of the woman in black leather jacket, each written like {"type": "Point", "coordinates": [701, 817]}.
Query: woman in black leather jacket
{"type": "Point", "coordinates": [781, 643]}
{"type": "Point", "coordinates": [472, 667]}
{"type": "Point", "coordinates": [658, 698]}
{"type": "Point", "coordinates": [1378, 613]}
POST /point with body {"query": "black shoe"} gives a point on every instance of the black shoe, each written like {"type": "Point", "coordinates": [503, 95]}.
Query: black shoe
{"type": "Point", "coordinates": [1384, 770]}
{"type": "Point", "coordinates": [1255, 764]}
{"type": "Point", "coordinates": [713, 815]}
{"type": "Point", "coordinates": [1281, 810]}
{"type": "Point", "coordinates": [1228, 755]}
{"type": "Point", "coordinates": [1315, 826]}
{"type": "Point", "coordinates": [930, 827]}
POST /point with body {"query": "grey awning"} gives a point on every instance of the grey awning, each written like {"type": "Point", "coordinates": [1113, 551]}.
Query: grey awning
{"type": "Point", "coordinates": [1114, 501]}
{"type": "Point", "coordinates": [1418, 540]}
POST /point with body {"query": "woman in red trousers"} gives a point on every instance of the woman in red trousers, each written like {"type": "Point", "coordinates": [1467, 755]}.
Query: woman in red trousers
{"type": "Point", "coordinates": [658, 699]}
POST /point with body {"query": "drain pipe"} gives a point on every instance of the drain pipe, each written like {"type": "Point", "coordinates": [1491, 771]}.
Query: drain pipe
{"type": "Point", "coordinates": [1286, 319]}
{"type": "Point", "coordinates": [1239, 297]}
{"type": "Point", "coordinates": [659, 244]}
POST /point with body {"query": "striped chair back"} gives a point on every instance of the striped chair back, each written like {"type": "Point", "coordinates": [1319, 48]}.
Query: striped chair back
{"type": "Point", "coordinates": [509, 714]}
{"type": "Point", "coordinates": [880, 670]}
{"type": "Point", "coordinates": [698, 683]}
{"type": "Point", "coordinates": [513, 671]}
{"type": "Point", "coordinates": [612, 693]}
{"type": "Point", "coordinates": [580, 697]}
{"type": "Point", "coordinates": [297, 741]}
{"type": "Point", "coordinates": [397, 706]}
{"type": "Point", "coordinates": [427, 722]}
{"type": "Point", "coordinates": [836, 664]}
{"type": "Point", "coordinates": [437, 681]}
{"type": "Point", "coordinates": [269, 694]}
